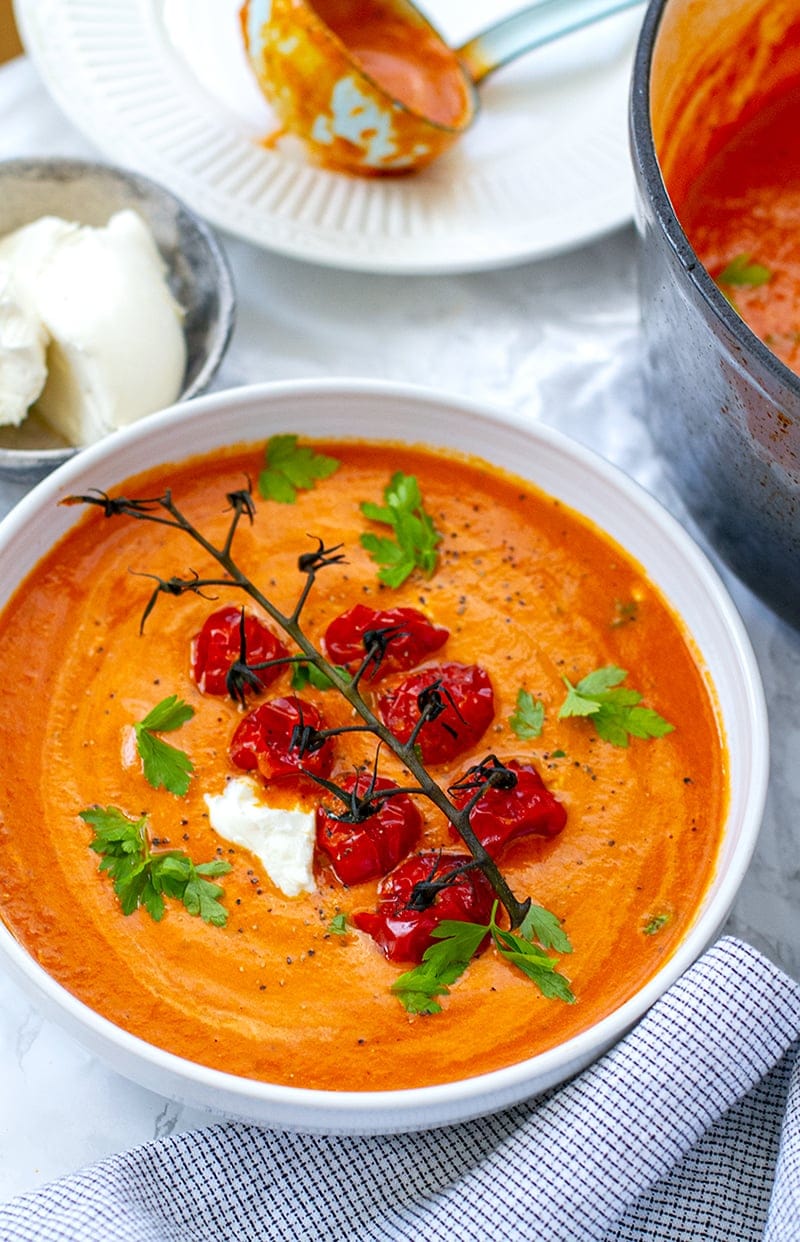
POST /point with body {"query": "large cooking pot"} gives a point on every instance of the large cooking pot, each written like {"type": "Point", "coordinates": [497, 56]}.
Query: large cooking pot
{"type": "Point", "coordinates": [723, 409]}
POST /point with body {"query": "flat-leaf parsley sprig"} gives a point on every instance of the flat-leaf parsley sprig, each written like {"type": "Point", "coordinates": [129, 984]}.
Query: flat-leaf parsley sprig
{"type": "Point", "coordinates": [415, 536]}
{"type": "Point", "coordinates": [743, 271]}
{"type": "Point", "coordinates": [614, 709]}
{"type": "Point", "coordinates": [528, 719]}
{"type": "Point", "coordinates": [290, 468]}
{"type": "Point", "coordinates": [164, 765]}
{"type": "Point", "coordinates": [143, 878]}
{"type": "Point", "coordinates": [457, 944]}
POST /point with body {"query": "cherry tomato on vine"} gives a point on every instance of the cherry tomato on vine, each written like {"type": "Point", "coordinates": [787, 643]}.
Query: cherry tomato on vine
{"type": "Point", "coordinates": [460, 703]}
{"type": "Point", "coordinates": [403, 933]}
{"type": "Point", "coordinates": [399, 637]}
{"type": "Point", "coordinates": [502, 815]}
{"type": "Point", "coordinates": [278, 738]}
{"type": "Point", "coordinates": [370, 847]}
{"type": "Point", "coordinates": [218, 646]}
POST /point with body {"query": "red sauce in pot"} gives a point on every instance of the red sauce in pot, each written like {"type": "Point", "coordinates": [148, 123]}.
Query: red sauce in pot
{"type": "Point", "coordinates": [742, 215]}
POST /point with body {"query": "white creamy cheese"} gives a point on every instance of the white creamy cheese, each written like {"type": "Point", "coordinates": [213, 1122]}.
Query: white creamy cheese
{"type": "Point", "coordinates": [282, 840]}
{"type": "Point", "coordinates": [112, 331]}
{"type": "Point", "coordinates": [23, 369]}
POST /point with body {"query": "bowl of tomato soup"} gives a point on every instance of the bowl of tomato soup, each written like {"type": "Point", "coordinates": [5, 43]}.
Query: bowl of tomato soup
{"type": "Point", "coordinates": [386, 757]}
{"type": "Point", "coordinates": [715, 118]}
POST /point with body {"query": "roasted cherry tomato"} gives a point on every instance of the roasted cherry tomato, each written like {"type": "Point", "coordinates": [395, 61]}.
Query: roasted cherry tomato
{"type": "Point", "coordinates": [501, 815]}
{"type": "Point", "coordinates": [279, 739]}
{"type": "Point", "coordinates": [361, 849]}
{"type": "Point", "coordinates": [460, 702]}
{"type": "Point", "coordinates": [404, 933]}
{"type": "Point", "coordinates": [396, 638]}
{"type": "Point", "coordinates": [218, 646]}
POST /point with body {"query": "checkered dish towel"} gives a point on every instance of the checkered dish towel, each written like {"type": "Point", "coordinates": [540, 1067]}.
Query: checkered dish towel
{"type": "Point", "coordinates": [688, 1129]}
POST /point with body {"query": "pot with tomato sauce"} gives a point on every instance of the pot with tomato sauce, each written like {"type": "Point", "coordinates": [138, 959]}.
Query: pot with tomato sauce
{"type": "Point", "coordinates": [715, 118]}
{"type": "Point", "coordinates": [292, 873]}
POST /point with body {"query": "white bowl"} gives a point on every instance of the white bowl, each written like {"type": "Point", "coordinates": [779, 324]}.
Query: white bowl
{"type": "Point", "coordinates": [563, 469]}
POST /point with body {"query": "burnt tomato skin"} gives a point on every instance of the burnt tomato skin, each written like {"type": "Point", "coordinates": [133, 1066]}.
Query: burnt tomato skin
{"type": "Point", "coordinates": [404, 934]}
{"type": "Point", "coordinates": [263, 740]}
{"type": "Point", "coordinates": [414, 639]}
{"type": "Point", "coordinates": [504, 815]}
{"type": "Point", "coordinates": [464, 693]}
{"type": "Point", "coordinates": [361, 851]}
{"type": "Point", "coordinates": [218, 644]}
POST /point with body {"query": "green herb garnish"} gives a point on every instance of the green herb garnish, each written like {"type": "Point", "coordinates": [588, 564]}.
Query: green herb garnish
{"type": "Point", "coordinates": [458, 942]}
{"type": "Point", "coordinates": [142, 878]}
{"type": "Point", "coordinates": [164, 765]}
{"type": "Point", "coordinates": [742, 271]}
{"type": "Point", "coordinates": [528, 719]}
{"type": "Point", "coordinates": [654, 924]}
{"type": "Point", "coordinates": [613, 709]}
{"type": "Point", "coordinates": [290, 469]}
{"type": "Point", "coordinates": [338, 925]}
{"type": "Point", "coordinates": [305, 674]}
{"type": "Point", "coordinates": [414, 544]}
{"type": "Point", "coordinates": [625, 611]}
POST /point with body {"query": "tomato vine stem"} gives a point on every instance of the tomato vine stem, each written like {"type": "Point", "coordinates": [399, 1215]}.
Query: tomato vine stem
{"type": "Point", "coordinates": [162, 510]}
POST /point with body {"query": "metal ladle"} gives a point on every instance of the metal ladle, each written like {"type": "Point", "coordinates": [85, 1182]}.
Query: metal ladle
{"type": "Point", "coordinates": [371, 87]}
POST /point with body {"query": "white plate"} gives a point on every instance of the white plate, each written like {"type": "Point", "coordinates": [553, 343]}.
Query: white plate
{"type": "Point", "coordinates": [163, 86]}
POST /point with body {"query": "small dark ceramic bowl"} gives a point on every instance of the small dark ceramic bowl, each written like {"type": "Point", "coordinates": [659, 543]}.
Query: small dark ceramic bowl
{"type": "Point", "coordinates": [197, 273]}
{"type": "Point", "coordinates": [723, 409]}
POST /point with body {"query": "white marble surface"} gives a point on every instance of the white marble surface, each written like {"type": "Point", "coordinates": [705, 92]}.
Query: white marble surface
{"type": "Point", "coordinates": [556, 340]}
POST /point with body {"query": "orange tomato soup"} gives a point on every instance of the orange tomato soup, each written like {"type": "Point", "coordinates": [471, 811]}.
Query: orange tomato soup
{"type": "Point", "coordinates": [529, 591]}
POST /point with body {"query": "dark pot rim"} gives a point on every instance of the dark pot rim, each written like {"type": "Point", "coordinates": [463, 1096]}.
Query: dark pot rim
{"type": "Point", "coordinates": [768, 369]}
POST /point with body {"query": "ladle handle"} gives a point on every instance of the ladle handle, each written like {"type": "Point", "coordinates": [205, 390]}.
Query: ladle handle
{"type": "Point", "coordinates": [538, 24]}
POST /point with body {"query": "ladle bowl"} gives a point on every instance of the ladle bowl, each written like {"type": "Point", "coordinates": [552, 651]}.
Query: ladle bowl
{"type": "Point", "coordinates": [370, 86]}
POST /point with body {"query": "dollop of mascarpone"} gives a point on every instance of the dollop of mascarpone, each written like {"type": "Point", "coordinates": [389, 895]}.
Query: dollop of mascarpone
{"type": "Point", "coordinates": [23, 369]}
{"type": "Point", "coordinates": [282, 840]}
{"type": "Point", "coordinates": [97, 302]}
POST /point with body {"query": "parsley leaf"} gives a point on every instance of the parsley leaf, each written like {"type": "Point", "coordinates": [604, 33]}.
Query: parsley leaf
{"type": "Point", "coordinates": [528, 719]}
{"type": "Point", "coordinates": [441, 964]}
{"type": "Point", "coordinates": [458, 942]}
{"type": "Point", "coordinates": [415, 536]}
{"type": "Point", "coordinates": [305, 674]}
{"type": "Point", "coordinates": [338, 925]}
{"type": "Point", "coordinates": [742, 271]}
{"type": "Point", "coordinates": [290, 468]}
{"type": "Point", "coordinates": [164, 766]}
{"type": "Point", "coordinates": [542, 925]}
{"type": "Point", "coordinates": [654, 924]}
{"type": "Point", "coordinates": [142, 878]}
{"type": "Point", "coordinates": [614, 709]}
{"type": "Point", "coordinates": [534, 963]}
